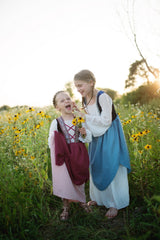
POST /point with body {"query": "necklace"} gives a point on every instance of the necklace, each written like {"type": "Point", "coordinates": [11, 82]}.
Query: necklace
{"type": "Point", "coordinates": [84, 104]}
{"type": "Point", "coordinates": [89, 100]}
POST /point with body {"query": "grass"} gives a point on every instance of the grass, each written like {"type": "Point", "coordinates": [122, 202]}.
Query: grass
{"type": "Point", "coordinates": [28, 209]}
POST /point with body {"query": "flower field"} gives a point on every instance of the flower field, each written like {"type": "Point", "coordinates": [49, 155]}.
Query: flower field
{"type": "Point", "coordinates": [28, 209]}
{"type": "Point", "coordinates": [142, 131]}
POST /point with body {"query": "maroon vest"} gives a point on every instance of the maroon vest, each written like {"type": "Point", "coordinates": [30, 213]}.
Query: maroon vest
{"type": "Point", "coordinates": [74, 155]}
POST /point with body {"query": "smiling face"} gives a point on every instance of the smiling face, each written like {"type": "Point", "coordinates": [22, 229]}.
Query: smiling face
{"type": "Point", "coordinates": [84, 82]}
{"type": "Point", "coordinates": [84, 88]}
{"type": "Point", "coordinates": [63, 103]}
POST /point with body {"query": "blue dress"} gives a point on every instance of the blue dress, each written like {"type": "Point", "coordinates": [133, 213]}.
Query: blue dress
{"type": "Point", "coordinates": [109, 158]}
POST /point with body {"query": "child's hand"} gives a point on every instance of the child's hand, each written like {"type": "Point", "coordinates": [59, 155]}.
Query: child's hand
{"type": "Point", "coordinates": [79, 110]}
{"type": "Point", "coordinates": [82, 132]}
{"type": "Point", "coordinates": [75, 107]}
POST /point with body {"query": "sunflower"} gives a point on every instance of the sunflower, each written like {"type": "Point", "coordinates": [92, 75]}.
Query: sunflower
{"type": "Point", "coordinates": [148, 146]}
{"type": "Point", "coordinates": [74, 121]}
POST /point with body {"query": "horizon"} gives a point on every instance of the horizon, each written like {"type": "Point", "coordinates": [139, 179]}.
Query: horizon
{"type": "Point", "coordinates": [43, 44]}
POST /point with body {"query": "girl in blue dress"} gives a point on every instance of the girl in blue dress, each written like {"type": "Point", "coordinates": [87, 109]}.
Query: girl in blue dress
{"type": "Point", "coordinates": [108, 153]}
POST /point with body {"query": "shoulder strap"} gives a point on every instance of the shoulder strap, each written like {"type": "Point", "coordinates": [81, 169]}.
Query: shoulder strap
{"type": "Point", "coordinates": [58, 126]}
{"type": "Point", "coordinates": [62, 128]}
{"type": "Point", "coordinates": [114, 114]}
{"type": "Point", "coordinates": [99, 106]}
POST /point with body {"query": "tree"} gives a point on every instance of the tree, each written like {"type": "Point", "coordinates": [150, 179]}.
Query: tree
{"type": "Point", "coordinates": [69, 88]}
{"type": "Point", "coordinates": [130, 26]}
{"type": "Point", "coordinates": [4, 107]}
{"type": "Point", "coordinates": [139, 69]}
{"type": "Point", "coordinates": [143, 94]}
{"type": "Point", "coordinates": [110, 92]}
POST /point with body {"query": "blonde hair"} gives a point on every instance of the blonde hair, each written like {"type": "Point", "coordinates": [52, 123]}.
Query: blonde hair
{"type": "Point", "coordinates": [85, 75]}
{"type": "Point", "coordinates": [55, 96]}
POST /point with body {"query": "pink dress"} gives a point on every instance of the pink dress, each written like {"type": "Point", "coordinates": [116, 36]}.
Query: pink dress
{"type": "Point", "coordinates": [62, 184]}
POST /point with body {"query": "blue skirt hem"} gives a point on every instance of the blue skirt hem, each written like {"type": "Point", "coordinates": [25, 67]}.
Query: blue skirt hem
{"type": "Point", "coordinates": [107, 153]}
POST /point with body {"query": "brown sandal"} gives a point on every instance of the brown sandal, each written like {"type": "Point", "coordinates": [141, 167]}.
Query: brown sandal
{"type": "Point", "coordinates": [91, 203]}
{"type": "Point", "coordinates": [85, 207]}
{"type": "Point", "coordinates": [64, 215]}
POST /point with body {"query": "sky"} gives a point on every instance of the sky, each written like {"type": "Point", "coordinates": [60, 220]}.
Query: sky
{"type": "Point", "coordinates": [44, 43]}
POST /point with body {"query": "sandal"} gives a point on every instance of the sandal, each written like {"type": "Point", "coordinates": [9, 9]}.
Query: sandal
{"type": "Point", "coordinates": [91, 203]}
{"type": "Point", "coordinates": [85, 207]}
{"type": "Point", "coordinates": [64, 214]}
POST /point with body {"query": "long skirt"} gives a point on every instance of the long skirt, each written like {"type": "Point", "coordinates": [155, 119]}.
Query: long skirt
{"type": "Point", "coordinates": [109, 168]}
{"type": "Point", "coordinates": [62, 184]}
{"type": "Point", "coordinates": [116, 195]}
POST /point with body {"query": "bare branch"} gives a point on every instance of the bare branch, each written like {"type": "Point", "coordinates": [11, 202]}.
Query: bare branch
{"type": "Point", "coordinates": [131, 22]}
{"type": "Point", "coordinates": [140, 53]}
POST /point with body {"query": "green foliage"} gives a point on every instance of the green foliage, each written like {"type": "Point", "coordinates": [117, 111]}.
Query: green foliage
{"type": "Point", "coordinates": [28, 210]}
{"type": "Point", "coordinates": [110, 92]}
{"type": "Point", "coordinates": [4, 108]}
{"type": "Point", "coordinates": [69, 88]}
{"type": "Point", "coordinates": [135, 69]}
{"type": "Point", "coordinates": [143, 94]}
{"type": "Point", "coordinates": [143, 138]}
{"type": "Point", "coordinates": [140, 69]}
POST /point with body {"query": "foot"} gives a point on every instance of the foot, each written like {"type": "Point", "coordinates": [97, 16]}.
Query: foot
{"type": "Point", "coordinates": [64, 215]}
{"type": "Point", "coordinates": [111, 213]}
{"type": "Point", "coordinates": [91, 203]}
{"type": "Point", "coordinates": [85, 207]}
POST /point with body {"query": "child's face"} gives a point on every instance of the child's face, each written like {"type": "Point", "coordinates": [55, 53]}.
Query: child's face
{"type": "Point", "coordinates": [84, 88]}
{"type": "Point", "coordinates": [64, 103]}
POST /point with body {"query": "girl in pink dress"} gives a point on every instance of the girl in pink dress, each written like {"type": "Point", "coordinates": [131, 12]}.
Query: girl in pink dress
{"type": "Point", "coordinates": [69, 156]}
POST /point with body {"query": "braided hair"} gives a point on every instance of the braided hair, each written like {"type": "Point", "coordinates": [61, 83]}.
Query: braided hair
{"type": "Point", "coordinates": [86, 76]}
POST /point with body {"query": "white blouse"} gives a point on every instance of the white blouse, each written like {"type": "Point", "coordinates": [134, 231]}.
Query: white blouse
{"type": "Point", "coordinates": [99, 123]}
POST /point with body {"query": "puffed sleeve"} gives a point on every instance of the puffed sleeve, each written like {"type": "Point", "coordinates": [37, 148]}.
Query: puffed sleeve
{"type": "Point", "coordinates": [53, 128]}
{"type": "Point", "coordinates": [99, 123]}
